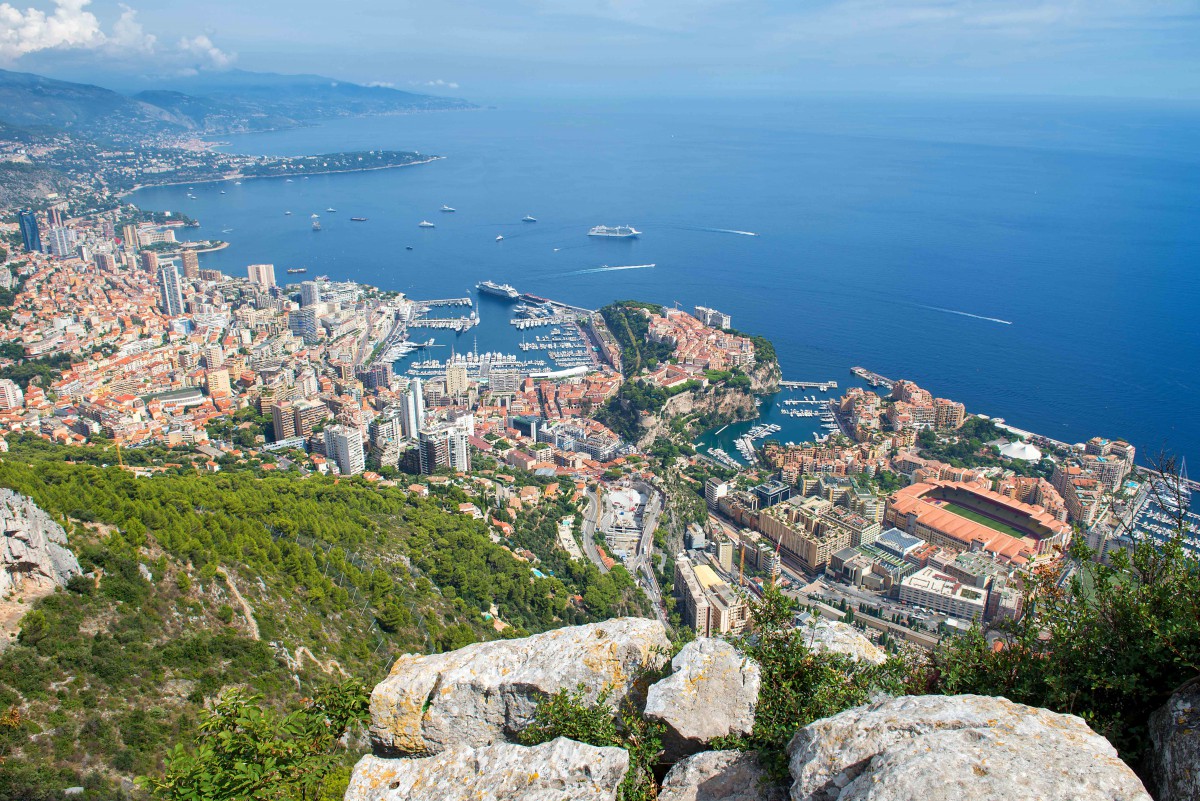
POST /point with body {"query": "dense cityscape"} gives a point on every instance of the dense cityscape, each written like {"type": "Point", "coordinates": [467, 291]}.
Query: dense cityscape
{"type": "Point", "coordinates": [817, 434]}
{"type": "Point", "coordinates": [910, 510]}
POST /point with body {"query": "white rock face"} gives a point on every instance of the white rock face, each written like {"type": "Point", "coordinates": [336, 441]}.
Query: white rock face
{"type": "Point", "coordinates": [34, 554]}
{"type": "Point", "coordinates": [719, 776]}
{"type": "Point", "coordinates": [841, 638]}
{"type": "Point", "coordinates": [956, 748]}
{"type": "Point", "coordinates": [487, 692]}
{"type": "Point", "coordinates": [711, 692]}
{"type": "Point", "coordinates": [560, 770]}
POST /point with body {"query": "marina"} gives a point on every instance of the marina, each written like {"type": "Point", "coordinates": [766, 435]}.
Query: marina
{"type": "Point", "coordinates": [874, 379]}
{"type": "Point", "coordinates": [823, 386]}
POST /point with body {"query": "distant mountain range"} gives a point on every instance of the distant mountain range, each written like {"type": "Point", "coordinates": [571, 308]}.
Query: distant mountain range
{"type": "Point", "coordinates": [214, 103]}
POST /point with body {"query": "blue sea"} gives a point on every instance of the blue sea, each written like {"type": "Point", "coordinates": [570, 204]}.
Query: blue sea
{"type": "Point", "coordinates": [1037, 260]}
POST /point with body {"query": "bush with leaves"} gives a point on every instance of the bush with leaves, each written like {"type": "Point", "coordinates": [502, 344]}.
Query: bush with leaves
{"type": "Point", "coordinates": [800, 684]}
{"type": "Point", "coordinates": [567, 714]}
{"type": "Point", "coordinates": [1109, 644]}
{"type": "Point", "coordinates": [247, 751]}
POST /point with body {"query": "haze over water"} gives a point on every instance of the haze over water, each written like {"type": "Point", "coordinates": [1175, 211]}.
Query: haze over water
{"type": "Point", "coordinates": [1036, 260]}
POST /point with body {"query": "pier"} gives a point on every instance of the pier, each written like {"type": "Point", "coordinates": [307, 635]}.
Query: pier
{"type": "Point", "coordinates": [874, 379]}
{"type": "Point", "coordinates": [823, 386]}
{"type": "Point", "coordinates": [459, 324]}
{"type": "Point", "coordinates": [521, 323]}
{"type": "Point", "coordinates": [445, 302]}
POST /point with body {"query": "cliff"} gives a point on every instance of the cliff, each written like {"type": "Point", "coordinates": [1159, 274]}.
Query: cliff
{"type": "Point", "coordinates": [715, 406]}
{"type": "Point", "coordinates": [908, 748]}
{"type": "Point", "coordinates": [34, 558]}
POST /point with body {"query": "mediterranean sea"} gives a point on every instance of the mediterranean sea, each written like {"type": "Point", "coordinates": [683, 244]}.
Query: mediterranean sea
{"type": "Point", "coordinates": [1037, 260]}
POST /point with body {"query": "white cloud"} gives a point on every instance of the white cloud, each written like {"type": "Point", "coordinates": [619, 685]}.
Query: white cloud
{"type": "Point", "coordinates": [381, 85]}
{"type": "Point", "coordinates": [127, 33]}
{"type": "Point", "coordinates": [436, 84]}
{"type": "Point", "coordinates": [32, 30]}
{"type": "Point", "coordinates": [203, 47]}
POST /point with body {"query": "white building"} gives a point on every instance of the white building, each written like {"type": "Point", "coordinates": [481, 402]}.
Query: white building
{"type": "Point", "coordinates": [170, 291]}
{"type": "Point", "coordinates": [11, 396]}
{"type": "Point", "coordinates": [344, 445]}
{"type": "Point", "coordinates": [714, 490]}
{"type": "Point", "coordinates": [942, 593]}
{"type": "Point", "coordinates": [262, 274]}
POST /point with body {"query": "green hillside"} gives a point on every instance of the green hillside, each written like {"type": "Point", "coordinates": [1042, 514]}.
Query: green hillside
{"type": "Point", "coordinates": [199, 582]}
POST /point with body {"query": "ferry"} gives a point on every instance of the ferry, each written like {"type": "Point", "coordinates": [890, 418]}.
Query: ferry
{"type": "Point", "coordinates": [529, 218]}
{"type": "Point", "coordinates": [615, 231]}
{"type": "Point", "coordinates": [425, 224]}
{"type": "Point", "coordinates": [500, 290]}
{"type": "Point", "coordinates": [447, 208]}
{"type": "Point", "coordinates": [297, 270]}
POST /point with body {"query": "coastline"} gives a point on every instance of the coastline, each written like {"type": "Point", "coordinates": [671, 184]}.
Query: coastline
{"type": "Point", "coordinates": [242, 177]}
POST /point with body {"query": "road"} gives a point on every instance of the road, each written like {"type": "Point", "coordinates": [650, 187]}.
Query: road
{"type": "Point", "coordinates": [590, 516]}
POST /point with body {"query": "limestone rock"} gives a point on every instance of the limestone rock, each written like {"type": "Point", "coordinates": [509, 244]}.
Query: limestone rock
{"type": "Point", "coordinates": [960, 748]}
{"type": "Point", "coordinates": [487, 692]}
{"type": "Point", "coordinates": [1175, 733]}
{"type": "Point", "coordinates": [720, 776]}
{"type": "Point", "coordinates": [560, 770]}
{"type": "Point", "coordinates": [840, 638]}
{"type": "Point", "coordinates": [711, 692]}
{"type": "Point", "coordinates": [33, 555]}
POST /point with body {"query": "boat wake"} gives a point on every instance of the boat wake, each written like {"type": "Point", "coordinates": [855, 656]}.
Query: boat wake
{"type": "Point", "coordinates": [967, 314]}
{"type": "Point", "coordinates": [729, 231]}
{"type": "Point", "coordinates": [607, 269]}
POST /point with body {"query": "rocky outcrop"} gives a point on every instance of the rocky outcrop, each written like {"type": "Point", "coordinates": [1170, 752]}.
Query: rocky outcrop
{"type": "Point", "coordinates": [725, 405]}
{"type": "Point", "coordinates": [1175, 734]}
{"type": "Point", "coordinates": [955, 748]}
{"type": "Point", "coordinates": [840, 638]}
{"type": "Point", "coordinates": [33, 556]}
{"type": "Point", "coordinates": [560, 770]}
{"type": "Point", "coordinates": [487, 692]}
{"type": "Point", "coordinates": [720, 776]}
{"type": "Point", "coordinates": [711, 692]}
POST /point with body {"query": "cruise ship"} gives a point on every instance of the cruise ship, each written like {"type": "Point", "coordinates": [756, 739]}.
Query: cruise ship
{"type": "Point", "coordinates": [500, 290]}
{"type": "Point", "coordinates": [615, 231]}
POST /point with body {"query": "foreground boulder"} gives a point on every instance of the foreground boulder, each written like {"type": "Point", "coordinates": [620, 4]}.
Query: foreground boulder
{"type": "Point", "coordinates": [956, 748]}
{"type": "Point", "coordinates": [720, 776]}
{"type": "Point", "coordinates": [34, 558]}
{"type": "Point", "coordinates": [711, 692]}
{"type": "Point", "coordinates": [560, 770]}
{"type": "Point", "coordinates": [836, 637]}
{"type": "Point", "coordinates": [1175, 733]}
{"type": "Point", "coordinates": [487, 692]}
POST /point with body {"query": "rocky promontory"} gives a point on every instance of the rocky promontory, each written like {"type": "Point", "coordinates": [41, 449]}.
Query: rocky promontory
{"type": "Point", "coordinates": [446, 726]}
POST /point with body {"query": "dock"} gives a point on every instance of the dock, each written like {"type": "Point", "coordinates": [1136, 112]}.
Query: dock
{"type": "Point", "coordinates": [823, 386]}
{"type": "Point", "coordinates": [874, 379]}
{"type": "Point", "coordinates": [458, 324]}
{"type": "Point", "coordinates": [445, 302]}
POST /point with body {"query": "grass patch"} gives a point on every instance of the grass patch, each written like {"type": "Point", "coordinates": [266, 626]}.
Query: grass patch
{"type": "Point", "coordinates": [991, 523]}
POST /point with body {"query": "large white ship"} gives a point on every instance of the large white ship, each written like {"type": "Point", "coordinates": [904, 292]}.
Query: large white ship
{"type": "Point", "coordinates": [500, 290]}
{"type": "Point", "coordinates": [615, 231]}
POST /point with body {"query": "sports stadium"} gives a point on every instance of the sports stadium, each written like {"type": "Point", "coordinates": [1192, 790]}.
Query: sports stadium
{"type": "Point", "coordinates": [970, 517]}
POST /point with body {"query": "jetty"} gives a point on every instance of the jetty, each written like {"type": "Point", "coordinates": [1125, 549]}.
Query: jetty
{"type": "Point", "coordinates": [445, 302]}
{"type": "Point", "coordinates": [874, 379]}
{"type": "Point", "coordinates": [823, 386]}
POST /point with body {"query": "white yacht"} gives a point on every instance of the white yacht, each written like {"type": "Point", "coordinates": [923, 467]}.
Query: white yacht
{"type": "Point", "coordinates": [425, 224]}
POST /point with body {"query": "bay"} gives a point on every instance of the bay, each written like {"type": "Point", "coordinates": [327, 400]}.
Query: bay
{"type": "Point", "coordinates": [1036, 260]}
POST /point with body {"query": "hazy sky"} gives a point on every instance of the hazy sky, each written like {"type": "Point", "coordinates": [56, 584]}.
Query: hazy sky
{"type": "Point", "coordinates": [484, 49]}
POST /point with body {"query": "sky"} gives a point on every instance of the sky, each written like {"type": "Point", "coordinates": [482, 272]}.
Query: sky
{"type": "Point", "coordinates": [496, 49]}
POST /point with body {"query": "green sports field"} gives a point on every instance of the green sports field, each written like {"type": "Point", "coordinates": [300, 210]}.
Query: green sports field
{"type": "Point", "coordinates": [962, 511]}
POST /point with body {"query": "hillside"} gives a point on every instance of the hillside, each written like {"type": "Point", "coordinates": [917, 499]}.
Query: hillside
{"type": "Point", "coordinates": [228, 102]}
{"type": "Point", "coordinates": [196, 582]}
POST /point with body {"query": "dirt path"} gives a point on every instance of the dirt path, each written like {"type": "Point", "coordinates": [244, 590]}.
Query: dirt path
{"type": "Point", "coordinates": [327, 667]}
{"type": "Point", "coordinates": [247, 612]}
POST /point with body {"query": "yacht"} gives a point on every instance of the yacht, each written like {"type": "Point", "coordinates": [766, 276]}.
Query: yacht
{"type": "Point", "coordinates": [447, 208]}
{"type": "Point", "coordinates": [287, 214]}
{"type": "Point", "coordinates": [499, 238]}
{"type": "Point", "coordinates": [425, 224]}
{"type": "Point", "coordinates": [615, 231]}
{"type": "Point", "coordinates": [529, 218]}
{"type": "Point", "coordinates": [296, 270]}
{"type": "Point", "coordinates": [222, 191]}
{"type": "Point", "coordinates": [358, 219]}
{"type": "Point", "coordinates": [330, 210]}
{"type": "Point", "coordinates": [316, 225]}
